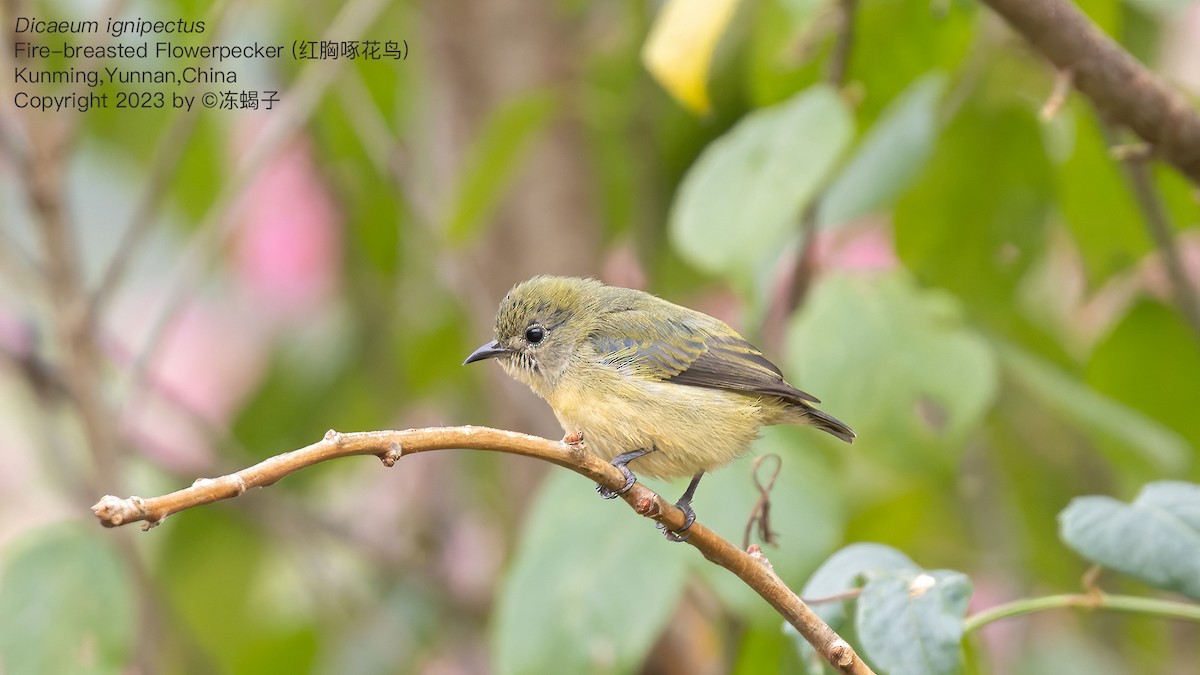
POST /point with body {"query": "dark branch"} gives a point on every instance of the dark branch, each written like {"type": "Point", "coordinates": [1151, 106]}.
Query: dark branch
{"type": "Point", "coordinates": [1122, 88]}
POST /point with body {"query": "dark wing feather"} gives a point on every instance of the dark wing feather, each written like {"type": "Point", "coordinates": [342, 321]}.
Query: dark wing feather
{"type": "Point", "coordinates": [701, 356]}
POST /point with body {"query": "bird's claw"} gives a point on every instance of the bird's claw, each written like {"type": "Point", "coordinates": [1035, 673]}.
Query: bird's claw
{"type": "Point", "coordinates": [620, 461]}
{"type": "Point", "coordinates": [630, 479]}
{"type": "Point", "coordinates": [682, 534]}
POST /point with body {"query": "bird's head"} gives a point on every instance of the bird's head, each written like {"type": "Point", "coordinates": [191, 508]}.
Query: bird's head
{"type": "Point", "coordinates": [540, 326]}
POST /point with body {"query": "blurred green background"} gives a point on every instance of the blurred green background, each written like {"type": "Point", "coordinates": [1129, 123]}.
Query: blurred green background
{"type": "Point", "coordinates": [967, 282]}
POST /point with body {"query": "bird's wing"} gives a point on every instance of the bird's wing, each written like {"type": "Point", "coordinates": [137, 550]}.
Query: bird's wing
{"type": "Point", "coordinates": [700, 355]}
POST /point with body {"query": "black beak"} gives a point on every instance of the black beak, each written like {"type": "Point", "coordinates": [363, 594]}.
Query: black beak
{"type": "Point", "coordinates": [489, 351]}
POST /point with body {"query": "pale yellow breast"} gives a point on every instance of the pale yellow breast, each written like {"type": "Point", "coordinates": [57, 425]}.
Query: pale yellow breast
{"type": "Point", "coordinates": [691, 428]}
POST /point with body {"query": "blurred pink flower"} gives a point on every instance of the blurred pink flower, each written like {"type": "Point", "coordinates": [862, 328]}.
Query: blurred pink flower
{"type": "Point", "coordinates": [621, 267]}
{"type": "Point", "coordinates": [211, 358]}
{"type": "Point", "coordinates": [1002, 638]}
{"type": "Point", "coordinates": [866, 246]}
{"type": "Point", "coordinates": [287, 252]}
{"type": "Point", "coordinates": [16, 334]}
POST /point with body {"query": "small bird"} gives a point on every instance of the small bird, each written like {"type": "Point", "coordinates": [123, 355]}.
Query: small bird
{"type": "Point", "coordinates": [643, 379]}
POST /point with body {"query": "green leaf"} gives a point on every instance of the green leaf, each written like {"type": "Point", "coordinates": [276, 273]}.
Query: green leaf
{"type": "Point", "coordinates": [1133, 433]}
{"type": "Point", "coordinates": [1097, 204]}
{"type": "Point", "coordinates": [894, 362]}
{"type": "Point", "coordinates": [590, 589]}
{"type": "Point", "coordinates": [1105, 13]}
{"type": "Point", "coordinates": [67, 605]}
{"type": "Point", "coordinates": [739, 202]}
{"type": "Point", "coordinates": [1156, 538]}
{"type": "Point", "coordinates": [890, 156]}
{"type": "Point", "coordinates": [897, 42]}
{"type": "Point", "coordinates": [1150, 346]}
{"type": "Point", "coordinates": [975, 220]}
{"type": "Point", "coordinates": [907, 620]}
{"type": "Point", "coordinates": [805, 486]}
{"type": "Point", "coordinates": [912, 622]}
{"type": "Point", "coordinates": [846, 570]}
{"type": "Point", "coordinates": [498, 152]}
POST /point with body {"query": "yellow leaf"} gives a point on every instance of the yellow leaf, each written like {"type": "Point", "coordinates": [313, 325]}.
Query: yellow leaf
{"type": "Point", "coordinates": [679, 50]}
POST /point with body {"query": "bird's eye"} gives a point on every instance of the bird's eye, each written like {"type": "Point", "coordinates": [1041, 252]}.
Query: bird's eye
{"type": "Point", "coordinates": [535, 334]}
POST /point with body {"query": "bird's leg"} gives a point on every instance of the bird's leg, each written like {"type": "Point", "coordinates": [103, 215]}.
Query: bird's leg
{"type": "Point", "coordinates": [684, 504]}
{"type": "Point", "coordinates": [620, 461]}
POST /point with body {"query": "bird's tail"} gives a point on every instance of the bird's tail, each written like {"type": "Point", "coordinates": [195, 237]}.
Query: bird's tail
{"type": "Point", "coordinates": [828, 423]}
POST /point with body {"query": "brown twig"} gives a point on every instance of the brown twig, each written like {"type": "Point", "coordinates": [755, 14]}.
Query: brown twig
{"type": "Point", "coordinates": [1137, 175]}
{"type": "Point", "coordinates": [163, 169]}
{"type": "Point", "coordinates": [1091, 581]}
{"type": "Point", "coordinates": [1122, 88]}
{"type": "Point", "coordinates": [839, 60]}
{"type": "Point", "coordinates": [761, 513]}
{"type": "Point", "coordinates": [750, 566]}
{"type": "Point", "coordinates": [19, 267]}
{"type": "Point", "coordinates": [1058, 95]}
{"type": "Point", "coordinates": [836, 597]}
{"type": "Point", "coordinates": [44, 184]}
{"type": "Point", "coordinates": [835, 75]}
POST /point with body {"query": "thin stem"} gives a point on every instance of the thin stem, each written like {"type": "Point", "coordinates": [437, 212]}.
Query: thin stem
{"type": "Point", "coordinates": [835, 75]}
{"type": "Point", "coordinates": [163, 169]}
{"type": "Point", "coordinates": [1137, 175]}
{"type": "Point", "coordinates": [839, 60]}
{"type": "Point", "coordinates": [1166, 609]}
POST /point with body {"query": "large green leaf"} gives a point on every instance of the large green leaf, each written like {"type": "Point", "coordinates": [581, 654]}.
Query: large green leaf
{"type": "Point", "coordinates": [906, 619]}
{"type": "Point", "coordinates": [1097, 204]}
{"type": "Point", "coordinates": [1149, 362]}
{"type": "Point", "coordinates": [741, 199]}
{"type": "Point", "coordinates": [1121, 428]}
{"type": "Point", "coordinates": [911, 623]}
{"type": "Point", "coordinates": [894, 362]}
{"type": "Point", "coordinates": [898, 42]}
{"type": "Point", "coordinates": [591, 586]}
{"type": "Point", "coordinates": [67, 605]}
{"type": "Point", "coordinates": [848, 569]}
{"type": "Point", "coordinates": [890, 156]}
{"type": "Point", "coordinates": [1156, 538]}
{"type": "Point", "coordinates": [976, 219]}
{"type": "Point", "coordinates": [227, 599]}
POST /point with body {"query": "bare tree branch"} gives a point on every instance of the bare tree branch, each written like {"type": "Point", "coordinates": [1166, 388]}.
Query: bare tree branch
{"type": "Point", "coordinates": [750, 566]}
{"type": "Point", "coordinates": [839, 60]}
{"type": "Point", "coordinates": [44, 184]}
{"type": "Point", "coordinates": [1135, 168]}
{"type": "Point", "coordinates": [835, 75]}
{"type": "Point", "coordinates": [219, 222]}
{"type": "Point", "coordinates": [163, 169]}
{"type": "Point", "coordinates": [1122, 88]}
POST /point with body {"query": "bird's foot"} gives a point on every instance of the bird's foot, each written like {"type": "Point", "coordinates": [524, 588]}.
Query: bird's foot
{"type": "Point", "coordinates": [684, 504]}
{"type": "Point", "coordinates": [620, 461]}
{"type": "Point", "coordinates": [682, 534]}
